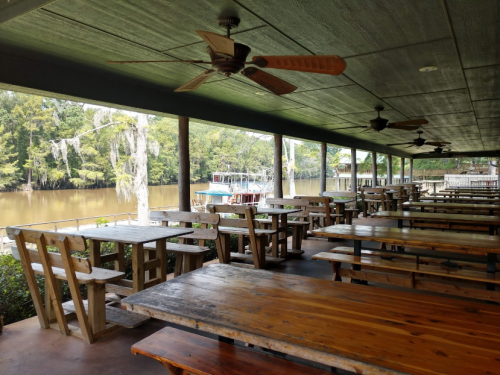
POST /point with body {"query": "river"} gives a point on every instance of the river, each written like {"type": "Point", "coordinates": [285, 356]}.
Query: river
{"type": "Point", "coordinates": [49, 205]}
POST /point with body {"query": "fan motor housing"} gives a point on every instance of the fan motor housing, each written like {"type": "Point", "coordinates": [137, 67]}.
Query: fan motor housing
{"type": "Point", "coordinates": [230, 65]}
{"type": "Point", "coordinates": [379, 123]}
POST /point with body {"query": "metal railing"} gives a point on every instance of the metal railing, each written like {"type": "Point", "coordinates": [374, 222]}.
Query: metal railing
{"type": "Point", "coordinates": [129, 216]}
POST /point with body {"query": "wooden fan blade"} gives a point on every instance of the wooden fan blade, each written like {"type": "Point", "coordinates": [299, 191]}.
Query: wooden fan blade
{"type": "Point", "coordinates": [328, 64]}
{"type": "Point", "coordinates": [160, 61]}
{"type": "Point", "coordinates": [351, 127]}
{"type": "Point", "coordinates": [437, 143]}
{"type": "Point", "coordinates": [420, 121]}
{"type": "Point", "coordinates": [272, 83]}
{"type": "Point", "coordinates": [218, 43]}
{"type": "Point", "coordinates": [399, 144]}
{"type": "Point", "coordinates": [196, 81]}
{"type": "Point", "coordinates": [402, 127]}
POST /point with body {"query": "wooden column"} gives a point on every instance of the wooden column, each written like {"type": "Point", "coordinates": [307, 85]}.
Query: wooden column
{"type": "Point", "coordinates": [389, 169]}
{"type": "Point", "coordinates": [402, 173]}
{"type": "Point", "coordinates": [410, 171]}
{"type": "Point", "coordinates": [184, 175]}
{"type": "Point", "coordinates": [354, 174]}
{"type": "Point", "coordinates": [278, 166]}
{"type": "Point", "coordinates": [374, 169]}
{"type": "Point", "coordinates": [322, 171]}
{"type": "Point", "coordinates": [498, 173]}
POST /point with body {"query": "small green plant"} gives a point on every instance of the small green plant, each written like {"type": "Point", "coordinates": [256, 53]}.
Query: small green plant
{"type": "Point", "coordinates": [102, 222]}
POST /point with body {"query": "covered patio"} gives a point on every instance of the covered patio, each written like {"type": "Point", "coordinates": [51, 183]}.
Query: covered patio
{"type": "Point", "coordinates": [411, 66]}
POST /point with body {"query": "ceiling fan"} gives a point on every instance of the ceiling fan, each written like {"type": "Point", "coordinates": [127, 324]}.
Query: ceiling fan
{"type": "Point", "coordinates": [379, 123]}
{"type": "Point", "coordinates": [228, 57]}
{"type": "Point", "coordinates": [419, 142]}
{"type": "Point", "coordinates": [439, 150]}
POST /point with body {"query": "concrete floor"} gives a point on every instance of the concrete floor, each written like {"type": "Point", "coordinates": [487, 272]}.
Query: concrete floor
{"type": "Point", "coordinates": [25, 348]}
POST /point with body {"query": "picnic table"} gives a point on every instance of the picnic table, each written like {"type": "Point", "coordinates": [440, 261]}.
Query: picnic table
{"type": "Point", "coordinates": [489, 208]}
{"type": "Point", "coordinates": [347, 326]}
{"type": "Point", "coordinates": [464, 243]}
{"type": "Point", "coordinates": [136, 236]}
{"type": "Point", "coordinates": [444, 221]}
{"type": "Point", "coordinates": [467, 194]}
{"type": "Point", "coordinates": [279, 224]}
{"type": "Point", "coordinates": [462, 200]}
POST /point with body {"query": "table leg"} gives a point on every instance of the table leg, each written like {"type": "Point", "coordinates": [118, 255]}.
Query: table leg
{"type": "Point", "coordinates": [276, 237]}
{"type": "Point", "coordinates": [282, 235]}
{"type": "Point", "coordinates": [161, 252]}
{"type": "Point", "coordinates": [137, 267]}
{"type": "Point", "coordinates": [97, 307]}
{"type": "Point", "coordinates": [225, 251]}
{"type": "Point", "coordinates": [357, 253]}
{"type": "Point", "coordinates": [120, 262]}
{"type": "Point", "coordinates": [95, 253]}
{"type": "Point", "coordinates": [491, 269]}
{"type": "Point", "coordinates": [400, 223]}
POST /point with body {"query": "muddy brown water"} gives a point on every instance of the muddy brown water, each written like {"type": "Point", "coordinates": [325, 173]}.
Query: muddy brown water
{"type": "Point", "coordinates": [49, 205]}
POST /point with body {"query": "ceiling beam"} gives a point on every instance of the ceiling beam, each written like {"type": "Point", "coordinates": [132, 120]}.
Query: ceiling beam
{"type": "Point", "coordinates": [20, 8]}
{"type": "Point", "coordinates": [82, 83]}
{"type": "Point", "coordinates": [474, 154]}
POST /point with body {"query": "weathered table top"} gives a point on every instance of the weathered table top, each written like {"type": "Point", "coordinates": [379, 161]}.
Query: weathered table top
{"type": "Point", "coordinates": [452, 205]}
{"type": "Point", "coordinates": [464, 194]}
{"type": "Point", "coordinates": [131, 234]}
{"type": "Point", "coordinates": [431, 216]}
{"type": "Point", "coordinates": [470, 243]}
{"type": "Point", "coordinates": [354, 327]}
{"type": "Point", "coordinates": [276, 211]}
{"type": "Point", "coordinates": [462, 199]}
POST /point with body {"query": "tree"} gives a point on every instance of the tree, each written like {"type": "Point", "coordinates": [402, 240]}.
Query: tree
{"type": "Point", "coordinates": [35, 113]}
{"type": "Point", "coordinates": [8, 166]}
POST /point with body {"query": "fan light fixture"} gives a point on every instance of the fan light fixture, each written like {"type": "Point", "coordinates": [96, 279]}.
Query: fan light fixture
{"type": "Point", "coordinates": [427, 69]}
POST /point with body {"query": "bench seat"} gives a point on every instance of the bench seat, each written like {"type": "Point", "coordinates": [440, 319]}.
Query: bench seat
{"type": "Point", "coordinates": [408, 257]}
{"type": "Point", "coordinates": [187, 353]}
{"type": "Point", "coordinates": [245, 231]}
{"type": "Point", "coordinates": [289, 223]}
{"type": "Point", "coordinates": [179, 248]}
{"type": "Point", "coordinates": [465, 283]}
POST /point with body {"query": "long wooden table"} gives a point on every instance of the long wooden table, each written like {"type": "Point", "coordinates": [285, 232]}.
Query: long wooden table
{"type": "Point", "coordinates": [492, 222]}
{"type": "Point", "coordinates": [462, 200]}
{"type": "Point", "coordinates": [489, 208]}
{"type": "Point", "coordinates": [465, 243]}
{"type": "Point", "coordinates": [136, 236]}
{"type": "Point", "coordinates": [467, 195]}
{"type": "Point", "coordinates": [353, 327]}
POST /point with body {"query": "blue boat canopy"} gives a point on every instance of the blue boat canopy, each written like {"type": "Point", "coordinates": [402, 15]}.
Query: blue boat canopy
{"type": "Point", "coordinates": [217, 193]}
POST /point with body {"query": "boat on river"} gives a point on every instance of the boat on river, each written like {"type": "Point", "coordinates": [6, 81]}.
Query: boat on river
{"type": "Point", "coordinates": [249, 189]}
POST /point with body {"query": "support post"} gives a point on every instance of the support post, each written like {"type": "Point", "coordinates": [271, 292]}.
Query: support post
{"type": "Point", "coordinates": [389, 169]}
{"type": "Point", "coordinates": [322, 172]}
{"type": "Point", "coordinates": [410, 171]}
{"type": "Point", "coordinates": [402, 174]}
{"type": "Point", "coordinates": [354, 177]}
{"type": "Point", "coordinates": [184, 175]}
{"type": "Point", "coordinates": [278, 166]}
{"type": "Point", "coordinates": [374, 169]}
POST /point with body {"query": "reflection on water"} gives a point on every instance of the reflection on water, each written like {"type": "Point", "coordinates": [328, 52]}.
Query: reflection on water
{"type": "Point", "coordinates": [41, 206]}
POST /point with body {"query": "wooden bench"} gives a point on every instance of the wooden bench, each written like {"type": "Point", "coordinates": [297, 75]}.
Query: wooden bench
{"type": "Point", "coordinates": [434, 278]}
{"type": "Point", "coordinates": [56, 267]}
{"type": "Point", "coordinates": [187, 353]}
{"type": "Point", "coordinates": [443, 261]}
{"type": "Point", "coordinates": [298, 226]}
{"type": "Point", "coordinates": [350, 209]}
{"type": "Point", "coordinates": [244, 225]}
{"type": "Point", "coordinates": [372, 199]}
{"type": "Point", "coordinates": [320, 213]}
{"type": "Point", "coordinates": [189, 257]}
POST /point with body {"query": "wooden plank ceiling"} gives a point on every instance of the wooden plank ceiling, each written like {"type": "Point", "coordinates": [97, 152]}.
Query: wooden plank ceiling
{"type": "Point", "coordinates": [384, 43]}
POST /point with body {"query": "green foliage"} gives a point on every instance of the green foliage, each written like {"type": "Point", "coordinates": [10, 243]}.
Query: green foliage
{"type": "Point", "coordinates": [102, 222]}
